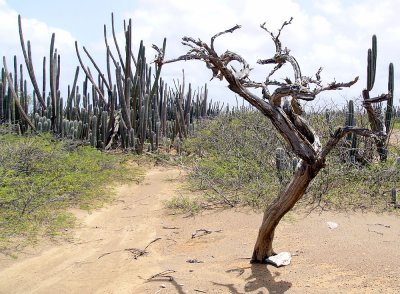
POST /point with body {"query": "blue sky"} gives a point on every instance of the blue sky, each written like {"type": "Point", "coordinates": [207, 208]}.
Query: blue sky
{"type": "Point", "coordinates": [333, 34]}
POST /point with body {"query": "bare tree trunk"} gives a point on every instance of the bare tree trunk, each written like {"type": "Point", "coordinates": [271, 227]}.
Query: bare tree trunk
{"type": "Point", "coordinates": [279, 207]}
{"type": "Point", "coordinates": [284, 110]}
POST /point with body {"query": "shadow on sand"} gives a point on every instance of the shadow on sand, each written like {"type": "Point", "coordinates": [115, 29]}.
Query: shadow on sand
{"type": "Point", "coordinates": [259, 281]}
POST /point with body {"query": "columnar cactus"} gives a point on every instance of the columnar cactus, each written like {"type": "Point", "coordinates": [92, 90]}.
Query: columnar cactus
{"type": "Point", "coordinates": [93, 138]}
{"type": "Point", "coordinates": [389, 107]}
{"type": "Point", "coordinates": [280, 159]}
{"type": "Point", "coordinates": [135, 106]}
{"type": "Point", "coordinates": [393, 194]}
{"type": "Point", "coordinates": [351, 138]}
{"type": "Point", "coordinates": [378, 125]}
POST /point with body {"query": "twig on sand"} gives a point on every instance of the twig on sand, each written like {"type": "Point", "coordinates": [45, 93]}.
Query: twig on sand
{"type": "Point", "coordinates": [372, 231]}
{"type": "Point", "coordinates": [198, 290]}
{"type": "Point", "coordinates": [165, 274]}
{"type": "Point", "coordinates": [378, 224]}
{"type": "Point", "coordinates": [194, 260]}
{"type": "Point", "coordinates": [202, 232]}
{"type": "Point", "coordinates": [135, 251]}
{"type": "Point", "coordinates": [170, 228]}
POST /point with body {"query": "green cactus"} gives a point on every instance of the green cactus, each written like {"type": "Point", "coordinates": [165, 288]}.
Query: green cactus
{"type": "Point", "coordinates": [350, 121]}
{"type": "Point", "coordinates": [389, 107]}
{"type": "Point", "coordinates": [295, 162]}
{"type": "Point", "coordinates": [131, 139]}
{"type": "Point", "coordinates": [280, 159]}
{"type": "Point", "coordinates": [124, 135]}
{"type": "Point", "coordinates": [379, 125]}
{"type": "Point", "coordinates": [371, 68]}
{"type": "Point", "coordinates": [64, 129]}
{"type": "Point", "coordinates": [280, 163]}
{"type": "Point", "coordinates": [351, 138]}
{"type": "Point", "coordinates": [393, 194]}
{"type": "Point", "coordinates": [103, 129]}
{"type": "Point", "coordinates": [36, 119]}
{"type": "Point", "coordinates": [149, 108]}
{"type": "Point", "coordinates": [93, 140]}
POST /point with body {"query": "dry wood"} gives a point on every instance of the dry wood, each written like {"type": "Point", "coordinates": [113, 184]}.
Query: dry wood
{"type": "Point", "coordinates": [135, 251]}
{"type": "Point", "coordinates": [202, 232]}
{"type": "Point", "coordinates": [284, 110]}
{"type": "Point", "coordinates": [194, 260]}
{"type": "Point", "coordinates": [164, 274]}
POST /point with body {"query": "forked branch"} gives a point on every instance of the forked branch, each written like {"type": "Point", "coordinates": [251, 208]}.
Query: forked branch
{"type": "Point", "coordinates": [282, 107]}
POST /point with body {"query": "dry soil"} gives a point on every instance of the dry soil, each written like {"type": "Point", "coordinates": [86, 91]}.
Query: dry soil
{"type": "Point", "coordinates": [106, 253]}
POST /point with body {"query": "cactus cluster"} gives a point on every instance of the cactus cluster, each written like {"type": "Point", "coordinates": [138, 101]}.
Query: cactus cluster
{"type": "Point", "coordinates": [134, 110]}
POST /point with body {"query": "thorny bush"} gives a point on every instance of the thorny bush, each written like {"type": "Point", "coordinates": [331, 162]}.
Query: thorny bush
{"type": "Point", "coordinates": [235, 164]}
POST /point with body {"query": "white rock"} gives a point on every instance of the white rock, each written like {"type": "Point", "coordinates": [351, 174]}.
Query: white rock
{"type": "Point", "coordinates": [280, 259]}
{"type": "Point", "coordinates": [332, 225]}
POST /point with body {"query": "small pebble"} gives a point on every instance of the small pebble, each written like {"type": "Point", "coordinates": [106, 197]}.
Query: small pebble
{"type": "Point", "coordinates": [332, 225]}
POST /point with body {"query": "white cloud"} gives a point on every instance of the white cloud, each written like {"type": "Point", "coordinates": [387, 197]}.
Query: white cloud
{"type": "Point", "coordinates": [331, 7]}
{"type": "Point", "coordinates": [321, 26]}
{"type": "Point", "coordinates": [39, 35]}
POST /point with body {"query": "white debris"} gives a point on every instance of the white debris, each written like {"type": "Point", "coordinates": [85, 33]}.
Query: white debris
{"type": "Point", "coordinates": [280, 259]}
{"type": "Point", "coordinates": [332, 225]}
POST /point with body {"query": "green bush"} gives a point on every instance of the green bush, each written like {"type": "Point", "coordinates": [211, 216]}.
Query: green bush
{"type": "Point", "coordinates": [183, 204]}
{"type": "Point", "coordinates": [234, 161]}
{"type": "Point", "coordinates": [235, 164]}
{"type": "Point", "coordinates": [40, 178]}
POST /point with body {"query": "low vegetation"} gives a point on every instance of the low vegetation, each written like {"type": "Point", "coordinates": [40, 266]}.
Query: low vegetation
{"type": "Point", "coordinates": [41, 178]}
{"type": "Point", "coordinates": [236, 163]}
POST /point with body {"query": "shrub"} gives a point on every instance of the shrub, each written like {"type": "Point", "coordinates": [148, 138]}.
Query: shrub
{"type": "Point", "coordinates": [236, 165]}
{"type": "Point", "coordinates": [40, 178]}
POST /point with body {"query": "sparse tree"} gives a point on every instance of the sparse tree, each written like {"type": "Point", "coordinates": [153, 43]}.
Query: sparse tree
{"type": "Point", "coordinates": [282, 106]}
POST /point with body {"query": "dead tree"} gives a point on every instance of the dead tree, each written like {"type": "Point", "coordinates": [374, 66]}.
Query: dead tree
{"type": "Point", "coordinates": [282, 107]}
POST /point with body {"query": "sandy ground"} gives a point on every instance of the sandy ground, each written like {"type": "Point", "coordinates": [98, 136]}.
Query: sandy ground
{"type": "Point", "coordinates": [361, 256]}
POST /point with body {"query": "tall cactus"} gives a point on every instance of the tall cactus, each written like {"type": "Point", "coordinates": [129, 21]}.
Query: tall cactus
{"type": "Point", "coordinates": [371, 65]}
{"type": "Point", "coordinates": [280, 161]}
{"type": "Point", "coordinates": [377, 124]}
{"type": "Point", "coordinates": [389, 107]}
{"type": "Point", "coordinates": [351, 137]}
{"type": "Point", "coordinates": [93, 139]}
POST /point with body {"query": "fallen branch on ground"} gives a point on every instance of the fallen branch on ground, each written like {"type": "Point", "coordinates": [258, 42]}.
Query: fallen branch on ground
{"type": "Point", "coordinates": [372, 231]}
{"type": "Point", "coordinates": [164, 274]}
{"type": "Point", "coordinates": [204, 232]}
{"type": "Point", "coordinates": [194, 260]}
{"type": "Point", "coordinates": [135, 251]}
{"type": "Point", "coordinates": [386, 226]}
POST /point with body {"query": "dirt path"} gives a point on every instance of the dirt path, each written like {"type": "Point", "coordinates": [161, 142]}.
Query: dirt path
{"type": "Point", "coordinates": [361, 256]}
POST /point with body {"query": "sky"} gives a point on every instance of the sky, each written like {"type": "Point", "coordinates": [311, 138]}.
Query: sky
{"type": "Point", "coordinates": [332, 34]}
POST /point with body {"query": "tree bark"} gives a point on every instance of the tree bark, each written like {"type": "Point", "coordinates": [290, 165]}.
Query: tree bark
{"type": "Point", "coordinates": [286, 118]}
{"type": "Point", "coordinates": [279, 207]}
